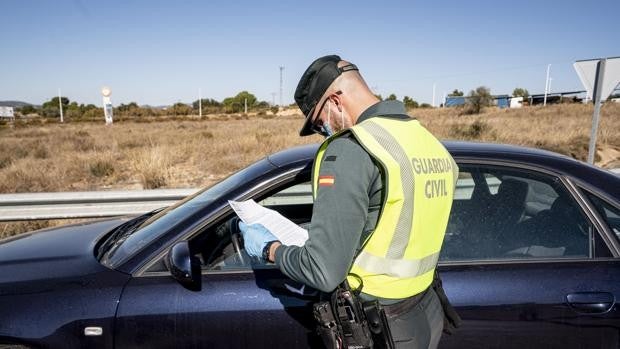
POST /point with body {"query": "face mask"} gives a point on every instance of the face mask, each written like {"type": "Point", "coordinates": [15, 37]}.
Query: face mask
{"type": "Point", "coordinates": [326, 128]}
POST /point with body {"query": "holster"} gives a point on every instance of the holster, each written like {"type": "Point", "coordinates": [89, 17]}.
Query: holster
{"type": "Point", "coordinates": [341, 322]}
{"type": "Point", "coordinates": [345, 322]}
{"type": "Point", "coordinates": [327, 327]}
{"type": "Point", "coordinates": [378, 324]}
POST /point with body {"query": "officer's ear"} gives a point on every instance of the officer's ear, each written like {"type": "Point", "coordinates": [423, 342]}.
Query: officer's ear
{"type": "Point", "coordinates": [336, 99]}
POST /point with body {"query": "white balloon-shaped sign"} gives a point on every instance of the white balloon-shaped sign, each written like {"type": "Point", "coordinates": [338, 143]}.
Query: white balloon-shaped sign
{"type": "Point", "coordinates": [106, 91]}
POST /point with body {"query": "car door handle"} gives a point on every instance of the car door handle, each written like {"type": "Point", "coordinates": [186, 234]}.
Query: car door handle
{"type": "Point", "coordinates": [591, 302]}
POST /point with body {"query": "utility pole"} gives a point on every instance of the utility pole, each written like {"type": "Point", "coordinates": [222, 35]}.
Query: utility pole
{"type": "Point", "coordinates": [281, 71]}
{"type": "Point", "coordinates": [60, 105]}
{"type": "Point", "coordinates": [245, 106]}
{"type": "Point", "coordinates": [550, 80]}
{"type": "Point", "coordinates": [200, 103]}
{"type": "Point", "coordinates": [546, 85]}
{"type": "Point", "coordinates": [273, 99]}
{"type": "Point", "coordinates": [434, 85]}
{"type": "Point", "coordinates": [596, 94]}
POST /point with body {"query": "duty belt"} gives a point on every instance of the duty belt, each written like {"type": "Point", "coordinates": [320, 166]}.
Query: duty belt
{"type": "Point", "coordinates": [404, 306]}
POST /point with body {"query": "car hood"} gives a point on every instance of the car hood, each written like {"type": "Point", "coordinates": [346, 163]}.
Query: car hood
{"type": "Point", "coordinates": [59, 252]}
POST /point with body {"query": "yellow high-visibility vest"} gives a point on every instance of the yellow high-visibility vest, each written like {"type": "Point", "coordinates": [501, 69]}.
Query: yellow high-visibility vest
{"type": "Point", "coordinates": [399, 257]}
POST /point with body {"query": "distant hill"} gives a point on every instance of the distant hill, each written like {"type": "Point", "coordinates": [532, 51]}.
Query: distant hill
{"type": "Point", "coordinates": [14, 104]}
{"type": "Point", "coordinates": [156, 106]}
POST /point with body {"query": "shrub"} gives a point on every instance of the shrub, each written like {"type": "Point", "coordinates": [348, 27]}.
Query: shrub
{"type": "Point", "coordinates": [152, 165]}
{"type": "Point", "coordinates": [472, 131]}
{"type": "Point", "coordinates": [101, 168]}
{"type": "Point", "coordinates": [477, 100]}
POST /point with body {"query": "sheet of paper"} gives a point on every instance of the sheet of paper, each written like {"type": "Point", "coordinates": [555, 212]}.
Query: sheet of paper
{"type": "Point", "coordinates": [286, 231]}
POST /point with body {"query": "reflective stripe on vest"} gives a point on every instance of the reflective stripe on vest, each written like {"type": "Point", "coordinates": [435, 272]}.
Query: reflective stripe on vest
{"type": "Point", "coordinates": [399, 257]}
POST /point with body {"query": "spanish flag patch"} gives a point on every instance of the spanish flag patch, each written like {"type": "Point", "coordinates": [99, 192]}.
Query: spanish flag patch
{"type": "Point", "coordinates": [326, 180]}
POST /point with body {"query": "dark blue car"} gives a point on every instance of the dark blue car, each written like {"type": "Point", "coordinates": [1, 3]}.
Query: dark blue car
{"type": "Point", "coordinates": [530, 259]}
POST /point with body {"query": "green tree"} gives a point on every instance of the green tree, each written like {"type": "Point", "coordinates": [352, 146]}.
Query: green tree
{"type": "Point", "coordinates": [379, 97]}
{"type": "Point", "coordinates": [520, 92]}
{"type": "Point", "coordinates": [206, 102]}
{"type": "Point", "coordinates": [391, 97]}
{"type": "Point", "coordinates": [181, 109]}
{"type": "Point", "coordinates": [54, 102]}
{"type": "Point", "coordinates": [478, 99]}
{"type": "Point", "coordinates": [51, 109]}
{"type": "Point", "coordinates": [456, 93]}
{"type": "Point", "coordinates": [27, 109]}
{"type": "Point", "coordinates": [126, 108]}
{"type": "Point", "coordinates": [93, 113]}
{"type": "Point", "coordinates": [236, 104]}
{"type": "Point", "coordinates": [410, 103]}
{"type": "Point", "coordinates": [73, 111]}
{"type": "Point", "coordinates": [243, 95]}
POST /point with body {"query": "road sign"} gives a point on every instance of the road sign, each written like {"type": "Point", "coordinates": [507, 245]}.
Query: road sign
{"type": "Point", "coordinates": [600, 77]}
{"type": "Point", "coordinates": [107, 105]}
{"type": "Point", "coordinates": [587, 71]}
{"type": "Point", "coordinates": [6, 112]}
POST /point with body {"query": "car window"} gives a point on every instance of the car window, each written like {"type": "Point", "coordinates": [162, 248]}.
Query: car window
{"type": "Point", "coordinates": [610, 214]}
{"type": "Point", "coordinates": [220, 248]}
{"type": "Point", "coordinates": [507, 213]}
{"type": "Point", "coordinates": [298, 194]}
{"type": "Point", "coordinates": [160, 223]}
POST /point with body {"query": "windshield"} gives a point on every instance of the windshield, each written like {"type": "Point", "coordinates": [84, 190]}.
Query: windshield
{"type": "Point", "coordinates": [167, 219]}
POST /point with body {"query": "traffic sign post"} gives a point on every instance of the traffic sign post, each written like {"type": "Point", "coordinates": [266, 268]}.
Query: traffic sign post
{"type": "Point", "coordinates": [600, 77]}
{"type": "Point", "coordinates": [107, 105]}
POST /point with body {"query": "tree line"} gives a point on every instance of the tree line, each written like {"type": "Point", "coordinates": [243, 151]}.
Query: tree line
{"type": "Point", "coordinates": [75, 111]}
{"type": "Point", "coordinates": [475, 101]}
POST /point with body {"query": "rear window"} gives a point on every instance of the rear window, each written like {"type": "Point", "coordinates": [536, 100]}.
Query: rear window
{"type": "Point", "coordinates": [610, 213]}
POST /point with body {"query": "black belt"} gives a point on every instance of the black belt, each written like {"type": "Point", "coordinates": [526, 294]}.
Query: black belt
{"type": "Point", "coordinates": [404, 306]}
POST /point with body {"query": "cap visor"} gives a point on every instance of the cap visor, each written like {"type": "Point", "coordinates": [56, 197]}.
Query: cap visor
{"type": "Point", "coordinates": [306, 129]}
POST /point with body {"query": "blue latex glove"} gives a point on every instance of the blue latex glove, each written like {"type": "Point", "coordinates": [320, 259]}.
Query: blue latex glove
{"type": "Point", "coordinates": [255, 237]}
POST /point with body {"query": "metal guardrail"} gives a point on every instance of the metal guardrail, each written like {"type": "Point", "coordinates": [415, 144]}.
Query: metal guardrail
{"type": "Point", "coordinates": [96, 204]}
{"type": "Point", "coordinates": [88, 204]}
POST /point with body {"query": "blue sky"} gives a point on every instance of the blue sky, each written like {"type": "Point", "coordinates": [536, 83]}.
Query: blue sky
{"type": "Point", "coordinates": [161, 52]}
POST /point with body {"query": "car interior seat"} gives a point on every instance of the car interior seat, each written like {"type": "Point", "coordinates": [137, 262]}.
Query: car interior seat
{"type": "Point", "coordinates": [489, 224]}
{"type": "Point", "coordinates": [504, 211]}
{"type": "Point", "coordinates": [560, 231]}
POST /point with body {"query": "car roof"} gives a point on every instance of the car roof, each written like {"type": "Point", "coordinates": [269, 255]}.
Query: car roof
{"type": "Point", "coordinates": [601, 180]}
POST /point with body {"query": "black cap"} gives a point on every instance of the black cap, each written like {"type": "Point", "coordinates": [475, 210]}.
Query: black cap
{"type": "Point", "coordinates": [313, 84]}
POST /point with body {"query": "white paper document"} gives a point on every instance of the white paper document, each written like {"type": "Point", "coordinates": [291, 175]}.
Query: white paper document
{"type": "Point", "coordinates": [286, 231]}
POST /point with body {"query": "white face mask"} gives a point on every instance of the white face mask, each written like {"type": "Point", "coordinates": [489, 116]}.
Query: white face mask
{"type": "Point", "coordinates": [327, 129]}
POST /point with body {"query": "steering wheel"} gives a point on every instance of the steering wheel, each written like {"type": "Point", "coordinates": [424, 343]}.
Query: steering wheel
{"type": "Point", "coordinates": [236, 239]}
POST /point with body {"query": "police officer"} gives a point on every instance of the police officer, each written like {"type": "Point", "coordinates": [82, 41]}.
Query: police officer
{"type": "Point", "coordinates": [383, 188]}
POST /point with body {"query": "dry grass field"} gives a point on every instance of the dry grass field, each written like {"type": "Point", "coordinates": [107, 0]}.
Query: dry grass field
{"type": "Point", "coordinates": [189, 152]}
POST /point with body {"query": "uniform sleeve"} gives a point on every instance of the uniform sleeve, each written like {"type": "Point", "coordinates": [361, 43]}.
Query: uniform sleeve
{"type": "Point", "coordinates": [338, 218]}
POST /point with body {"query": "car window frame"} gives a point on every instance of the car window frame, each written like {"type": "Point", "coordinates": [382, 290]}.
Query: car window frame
{"type": "Point", "coordinates": [609, 236]}
{"type": "Point", "coordinates": [573, 191]}
{"type": "Point", "coordinates": [260, 189]}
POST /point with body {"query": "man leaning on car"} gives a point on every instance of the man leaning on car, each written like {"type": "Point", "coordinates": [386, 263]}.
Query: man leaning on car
{"type": "Point", "coordinates": [383, 188]}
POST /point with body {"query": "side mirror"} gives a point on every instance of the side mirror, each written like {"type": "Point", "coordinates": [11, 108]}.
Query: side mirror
{"type": "Point", "coordinates": [184, 267]}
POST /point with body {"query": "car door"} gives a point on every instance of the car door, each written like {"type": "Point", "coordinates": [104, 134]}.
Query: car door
{"type": "Point", "coordinates": [242, 302]}
{"type": "Point", "coordinates": [524, 264]}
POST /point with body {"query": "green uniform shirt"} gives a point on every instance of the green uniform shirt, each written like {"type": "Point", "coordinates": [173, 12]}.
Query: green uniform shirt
{"type": "Point", "coordinates": [344, 213]}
